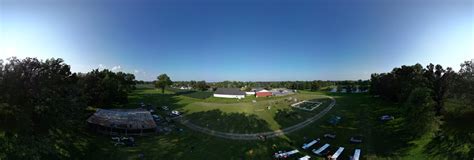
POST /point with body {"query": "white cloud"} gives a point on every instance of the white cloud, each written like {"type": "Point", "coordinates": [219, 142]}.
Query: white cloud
{"type": "Point", "coordinates": [117, 68]}
{"type": "Point", "coordinates": [101, 67]}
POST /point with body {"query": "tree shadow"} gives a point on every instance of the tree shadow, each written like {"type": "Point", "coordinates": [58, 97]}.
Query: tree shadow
{"type": "Point", "coordinates": [290, 116]}
{"type": "Point", "coordinates": [455, 139]}
{"type": "Point", "coordinates": [197, 94]}
{"type": "Point", "coordinates": [360, 116]}
{"type": "Point", "coordinates": [154, 100]}
{"type": "Point", "coordinates": [229, 122]}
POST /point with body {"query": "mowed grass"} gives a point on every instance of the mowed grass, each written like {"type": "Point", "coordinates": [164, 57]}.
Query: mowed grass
{"type": "Point", "coordinates": [246, 116]}
{"type": "Point", "coordinates": [359, 114]}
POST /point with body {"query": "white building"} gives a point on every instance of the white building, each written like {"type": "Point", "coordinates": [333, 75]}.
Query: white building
{"type": "Point", "coordinates": [229, 93]}
{"type": "Point", "coordinates": [249, 93]}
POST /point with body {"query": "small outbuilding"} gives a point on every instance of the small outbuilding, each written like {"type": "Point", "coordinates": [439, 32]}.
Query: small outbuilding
{"type": "Point", "coordinates": [122, 121]}
{"type": "Point", "coordinates": [263, 93]}
{"type": "Point", "coordinates": [250, 93]}
{"type": "Point", "coordinates": [281, 91]}
{"type": "Point", "coordinates": [229, 93]}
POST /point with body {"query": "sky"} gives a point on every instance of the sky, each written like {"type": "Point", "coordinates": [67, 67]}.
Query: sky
{"type": "Point", "coordinates": [216, 40]}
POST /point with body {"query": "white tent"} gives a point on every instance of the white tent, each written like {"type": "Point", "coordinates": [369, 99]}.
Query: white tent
{"type": "Point", "coordinates": [337, 153]}
{"type": "Point", "coordinates": [356, 154]}
{"type": "Point", "coordinates": [324, 147]}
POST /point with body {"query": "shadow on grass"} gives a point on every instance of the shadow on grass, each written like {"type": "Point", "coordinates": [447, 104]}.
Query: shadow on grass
{"type": "Point", "coordinates": [290, 116]}
{"type": "Point", "coordinates": [456, 138]}
{"type": "Point", "coordinates": [154, 98]}
{"type": "Point", "coordinates": [360, 116]}
{"type": "Point", "coordinates": [229, 122]}
{"type": "Point", "coordinates": [191, 93]}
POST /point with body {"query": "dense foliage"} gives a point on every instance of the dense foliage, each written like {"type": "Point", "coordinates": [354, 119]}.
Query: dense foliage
{"type": "Point", "coordinates": [398, 84]}
{"type": "Point", "coordinates": [42, 106]}
{"type": "Point", "coordinates": [419, 112]}
{"type": "Point", "coordinates": [464, 84]}
{"type": "Point", "coordinates": [105, 88]}
{"type": "Point", "coordinates": [39, 104]}
{"type": "Point", "coordinates": [412, 85]}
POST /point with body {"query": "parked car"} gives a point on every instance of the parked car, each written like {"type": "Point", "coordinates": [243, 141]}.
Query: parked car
{"type": "Point", "coordinates": [175, 113]}
{"type": "Point", "coordinates": [330, 135]}
{"type": "Point", "coordinates": [386, 118]}
{"type": "Point", "coordinates": [356, 139]}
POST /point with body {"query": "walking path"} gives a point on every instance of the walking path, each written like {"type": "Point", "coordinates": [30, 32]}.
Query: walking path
{"type": "Point", "coordinates": [255, 136]}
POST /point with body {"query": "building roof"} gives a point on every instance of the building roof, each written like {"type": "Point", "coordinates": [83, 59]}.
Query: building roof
{"type": "Point", "coordinates": [264, 90]}
{"type": "Point", "coordinates": [257, 89]}
{"type": "Point", "coordinates": [123, 118]}
{"type": "Point", "coordinates": [229, 91]}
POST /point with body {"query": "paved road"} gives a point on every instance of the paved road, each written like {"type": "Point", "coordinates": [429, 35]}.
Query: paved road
{"type": "Point", "coordinates": [255, 136]}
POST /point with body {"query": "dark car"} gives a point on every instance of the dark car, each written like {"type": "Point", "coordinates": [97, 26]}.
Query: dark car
{"type": "Point", "coordinates": [356, 139]}
{"type": "Point", "coordinates": [330, 135]}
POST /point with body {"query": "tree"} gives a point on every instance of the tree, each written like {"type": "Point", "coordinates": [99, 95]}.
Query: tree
{"type": "Point", "coordinates": [247, 88]}
{"type": "Point", "coordinates": [315, 85]}
{"type": "Point", "coordinates": [105, 88]}
{"type": "Point", "coordinates": [439, 80]}
{"type": "Point", "coordinates": [40, 109]}
{"type": "Point", "coordinates": [201, 85]}
{"type": "Point", "coordinates": [419, 110]}
{"type": "Point", "coordinates": [162, 82]}
{"type": "Point", "coordinates": [463, 88]}
{"type": "Point", "coordinates": [396, 84]}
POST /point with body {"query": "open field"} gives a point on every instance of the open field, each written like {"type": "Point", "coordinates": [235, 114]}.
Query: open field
{"type": "Point", "coordinates": [266, 114]}
{"type": "Point", "coordinates": [359, 114]}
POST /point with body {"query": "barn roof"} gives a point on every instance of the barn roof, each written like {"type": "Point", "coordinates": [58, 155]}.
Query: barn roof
{"type": "Point", "coordinates": [229, 91]}
{"type": "Point", "coordinates": [123, 118]}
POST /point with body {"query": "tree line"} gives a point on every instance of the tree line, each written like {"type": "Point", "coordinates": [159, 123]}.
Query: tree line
{"type": "Point", "coordinates": [247, 85]}
{"type": "Point", "coordinates": [423, 91]}
{"type": "Point", "coordinates": [164, 81]}
{"type": "Point", "coordinates": [43, 103]}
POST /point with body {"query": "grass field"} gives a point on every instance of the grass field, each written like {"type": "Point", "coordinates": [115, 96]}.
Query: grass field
{"type": "Point", "coordinates": [245, 116]}
{"type": "Point", "coordinates": [359, 114]}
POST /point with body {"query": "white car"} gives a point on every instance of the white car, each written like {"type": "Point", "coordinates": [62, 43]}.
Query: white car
{"type": "Point", "coordinates": [329, 135]}
{"type": "Point", "coordinates": [386, 118]}
{"type": "Point", "coordinates": [175, 113]}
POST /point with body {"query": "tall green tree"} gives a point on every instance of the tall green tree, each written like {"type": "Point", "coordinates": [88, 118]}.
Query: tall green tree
{"type": "Point", "coordinates": [106, 88]}
{"type": "Point", "coordinates": [439, 81]}
{"type": "Point", "coordinates": [419, 111]}
{"type": "Point", "coordinates": [463, 88]}
{"type": "Point", "coordinates": [163, 81]}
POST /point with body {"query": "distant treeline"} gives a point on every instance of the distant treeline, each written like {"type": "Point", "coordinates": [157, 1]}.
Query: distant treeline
{"type": "Point", "coordinates": [298, 85]}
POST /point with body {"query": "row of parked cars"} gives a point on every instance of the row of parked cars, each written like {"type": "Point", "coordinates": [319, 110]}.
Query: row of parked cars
{"type": "Point", "coordinates": [354, 139]}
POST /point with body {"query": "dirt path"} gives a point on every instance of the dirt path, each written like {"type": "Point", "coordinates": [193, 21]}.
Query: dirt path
{"type": "Point", "coordinates": [255, 136]}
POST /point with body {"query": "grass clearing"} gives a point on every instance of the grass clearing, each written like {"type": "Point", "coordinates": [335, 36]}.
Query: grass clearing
{"type": "Point", "coordinates": [359, 112]}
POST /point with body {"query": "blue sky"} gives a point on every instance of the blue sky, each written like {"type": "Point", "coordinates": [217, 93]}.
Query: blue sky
{"type": "Point", "coordinates": [240, 40]}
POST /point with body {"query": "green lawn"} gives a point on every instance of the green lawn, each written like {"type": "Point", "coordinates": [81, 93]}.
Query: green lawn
{"type": "Point", "coordinates": [359, 114]}
{"type": "Point", "coordinates": [245, 116]}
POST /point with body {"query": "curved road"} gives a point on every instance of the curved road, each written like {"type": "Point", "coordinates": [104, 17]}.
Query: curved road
{"type": "Point", "coordinates": [255, 136]}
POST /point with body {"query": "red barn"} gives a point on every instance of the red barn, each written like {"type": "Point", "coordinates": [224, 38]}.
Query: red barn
{"type": "Point", "coordinates": [263, 93]}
